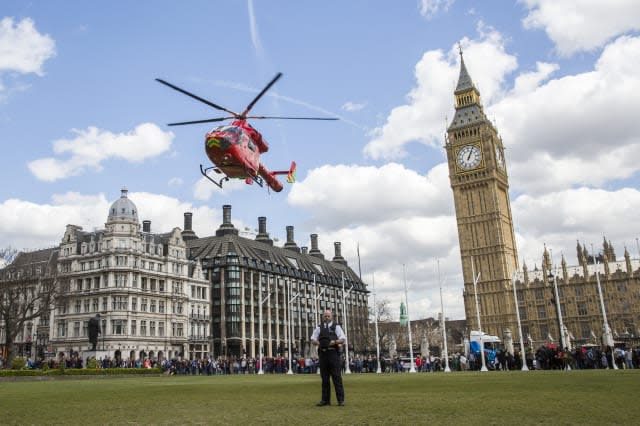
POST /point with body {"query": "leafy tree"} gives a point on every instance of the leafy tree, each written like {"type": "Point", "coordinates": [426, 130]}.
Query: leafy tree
{"type": "Point", "coordinates": [28, 288]}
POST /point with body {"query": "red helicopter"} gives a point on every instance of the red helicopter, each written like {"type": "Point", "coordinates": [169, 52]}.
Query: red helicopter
{"type": "Point", "coordinates": [235, 148]}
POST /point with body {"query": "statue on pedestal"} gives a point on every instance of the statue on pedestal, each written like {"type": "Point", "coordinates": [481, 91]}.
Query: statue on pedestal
{"type": "Point", "coordinates": [94, 331]}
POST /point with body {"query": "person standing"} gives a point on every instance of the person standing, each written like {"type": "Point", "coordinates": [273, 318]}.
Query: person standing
{"type": "Point", "coordinates": [329, 338]}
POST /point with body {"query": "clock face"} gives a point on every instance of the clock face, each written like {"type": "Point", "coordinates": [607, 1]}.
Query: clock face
{"type": "Point", "coordinates": [499, 158]}
{"type": "Point", "coordinates": [469, 157]}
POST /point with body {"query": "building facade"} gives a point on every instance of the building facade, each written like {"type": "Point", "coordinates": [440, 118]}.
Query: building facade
{"type": "Point", "coordinates": [152, 300]}
{"type": "Point", "coordinates": [280, 291]}
{"type": "Point", "coordinates": [174, 295]}
{"type": "Point", "coordinates": [480, 185]}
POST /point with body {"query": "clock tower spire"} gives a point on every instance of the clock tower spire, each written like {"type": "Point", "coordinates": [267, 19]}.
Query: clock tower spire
{"type": "Point", "coordinates": [480, 184]}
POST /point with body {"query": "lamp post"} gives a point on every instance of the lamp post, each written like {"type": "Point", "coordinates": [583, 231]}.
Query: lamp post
{"type": "Point", "coordinates": [347, 370]}
{"type": "Point", "coordinates": [261, 301]}
{"type": "Point", "coordinates": [375, 319]}
{"type": "Point", "coordinates": [475, 293]}
{"type": "Point", "coordinates": [291, 325]}
{"type": "Point", "coordinates": [406, 301]}
{"type": "Point", "coordinates": [607, 337]}
{"type": "Point", "coordinates": [316, 314]}
{"type": "Point", "coordinates": [515, 300]}
{"type": "Point", "coordinates": [444, 326]}
{"type": "Point", "coordinates": [553, 279]}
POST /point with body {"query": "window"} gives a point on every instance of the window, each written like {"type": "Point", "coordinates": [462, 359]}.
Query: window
{"type": "Point", "coordinates": [152, 307]}
{"type": "Point", "coordinates": [152, 328]}
{"type": "Point", "coordinates": [133, 327]}
{"type": "Point", "coordinates": [76, 329]}
{"type": "Point", "coordinates": [143, 328]}
{"type": "Point", "coordinates": [105, 303]}
{"type": "Point", "coordinates": [77, 307]}
{"type": "Point", "coordinates": [95, 305]}
{"type": "Point", "coordinates": [161, 329]}
{"type": "Point", "coordinates": [86, 305]}
{"type": "Point", "coordinates": [542, 313]}
{"type": "Point", "coordinates": [143, 305]}
{"type": "Point", "coordinates": [161, 306]}
{"type": "Point", "coordinates": [118, 326]}
{"type": "Point", "coordinates": [134, 303]}
{"type": "Point", "coordinates": [62, 328]}
{"type": "Point", "coordinates": [582, 308]}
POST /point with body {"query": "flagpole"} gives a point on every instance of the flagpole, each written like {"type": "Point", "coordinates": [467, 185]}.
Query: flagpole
{"type": "Point", "coordinates": [475, 293]}
{"type": "Point", "coordinates": [347, 370]}
{"type": "Point", "coordinates": [406, 298]}
{"type": "Point", "coordinates": [444, 326]}
{"type": "Point", "coordinates": [515, 299]}
{"type": "Point", "coordinates": [375, 318]}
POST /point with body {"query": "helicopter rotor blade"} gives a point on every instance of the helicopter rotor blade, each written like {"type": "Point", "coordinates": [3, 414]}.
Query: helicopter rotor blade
{"type": "Point", "coordinates": [196, 97]}
{"type": "Point", "coordinates": [253, 102]}
{"type": "Point", "coordinates": [210, 120]}
{"type": "Point", "coordinates": [261, 117]}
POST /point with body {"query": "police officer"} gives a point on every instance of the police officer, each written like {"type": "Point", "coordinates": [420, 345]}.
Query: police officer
{"type": "Point", "coordinates": [329, 337]}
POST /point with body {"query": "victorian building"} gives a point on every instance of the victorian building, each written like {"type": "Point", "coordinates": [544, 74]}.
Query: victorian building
{"type": "Point", "coordinates": [173, 295]}
{"type": "Point", "coordinates": [152, 300]}
{"type": "Point", "coordinates": [480, 185]}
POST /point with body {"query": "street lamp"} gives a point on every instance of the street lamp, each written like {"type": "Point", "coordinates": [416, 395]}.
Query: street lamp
{"type": "Point", "coordinates": [515, 299]}
{"type": "Point", "coordinates": [406, 299]}
{"type": "Point", "coordinates": [290, 325]}
{"type": "Point", "coordinates": [475, 293]}
{"type": "Point", "coordinates": [261, 301]}
{"type": "Point", "coordinates": [315, 304]}
{"type": "Point", "coordinates": [444, 326]}
{"type": "Point", "coordinates": [347, 370]}
{"type": "Point", "coordinates": [553, 279]}
{"type": "Point", "coordinates": [375, 318]}
{"type": "Point", "coordinates": [607, 337]}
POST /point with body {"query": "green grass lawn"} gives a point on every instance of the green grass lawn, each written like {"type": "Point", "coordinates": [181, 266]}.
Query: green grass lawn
{"type": "Point", "coordinates": [551, 397]}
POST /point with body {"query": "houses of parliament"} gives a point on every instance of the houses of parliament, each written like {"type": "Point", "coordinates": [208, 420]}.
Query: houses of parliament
{"type": "Point", "coordinates": [480, 184]}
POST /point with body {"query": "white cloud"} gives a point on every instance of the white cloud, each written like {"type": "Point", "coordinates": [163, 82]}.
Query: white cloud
{"type": "Point", "coordinates": [422, 119]}
{"type": "Point", "coordinates": [574, 130]}
{"type": "Point", "coordinates": [582, 25]}
{"type": "Point", "coordinates": [93, 146]}
{"type": "Point", "coordinates": [175, 181]}
{"type": "Point", "coordinates": [22, 48]}
{"type": "Point", "coordinates": [428, 8]}
{"type": "Point", "coordinates": [22, 224]}
{"type": "Point", "coordinates": [204, 189]}
{"type": "Point", "coordinates": [355, 194]}
{"type": "Point", "coordinates": [352, 106]}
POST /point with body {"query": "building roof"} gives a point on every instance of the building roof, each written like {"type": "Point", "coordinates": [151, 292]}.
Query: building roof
{"type": "Point", "coordinates": [268, 258]}
{"type": "Point", "coordinates": [123, 208]}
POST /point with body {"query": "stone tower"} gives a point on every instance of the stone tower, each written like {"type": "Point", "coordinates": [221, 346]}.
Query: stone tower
{"type": "Point", "coordinates": [480, 184]}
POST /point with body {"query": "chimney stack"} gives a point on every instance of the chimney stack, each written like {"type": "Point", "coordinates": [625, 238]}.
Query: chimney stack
{"type": "Point", "coordinates": [146, 226]}
{"type": "Point", "coordinates": [263, 235]}
{"type": "Point", "coordinates": [338, 255]}
{"type": "Point", "coordinates": [291, 244]}
{"type": "Point", "coordinates": [303, 249]}
{"type": "Point", "coordinates": [188, 233]}
{"type": "Point", "coordinates": [314, 247]}
{"type": "Point", "coordinates": [226, 227]}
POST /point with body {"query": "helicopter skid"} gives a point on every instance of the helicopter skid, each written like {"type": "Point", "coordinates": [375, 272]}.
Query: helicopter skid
{"type": "Point", "coordinates": [215, 169]}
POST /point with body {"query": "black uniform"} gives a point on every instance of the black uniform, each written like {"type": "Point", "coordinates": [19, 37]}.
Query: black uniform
{"type": "Point", "coordinates": [330, 363]}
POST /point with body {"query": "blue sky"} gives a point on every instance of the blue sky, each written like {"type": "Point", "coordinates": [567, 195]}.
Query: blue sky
{"type": "Point", "coordinates": [81, 117]}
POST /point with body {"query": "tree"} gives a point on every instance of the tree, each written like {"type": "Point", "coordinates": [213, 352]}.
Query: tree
{"type": "Point", "coordinates": [28, 288]}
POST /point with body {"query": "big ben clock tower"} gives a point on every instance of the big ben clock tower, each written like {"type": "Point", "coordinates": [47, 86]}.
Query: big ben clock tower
{"type": "Point", "coordinates": [480, 185]}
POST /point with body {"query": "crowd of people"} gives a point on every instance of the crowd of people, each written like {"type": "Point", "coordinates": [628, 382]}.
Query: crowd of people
{"type": "Point", "coordinates": [543, 358]}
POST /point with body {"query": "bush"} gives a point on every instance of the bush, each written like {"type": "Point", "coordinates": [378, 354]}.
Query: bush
{"type": "Point", "coordinates": [92, 363]}
{"type": "Point", "coordinates": [19, 363]}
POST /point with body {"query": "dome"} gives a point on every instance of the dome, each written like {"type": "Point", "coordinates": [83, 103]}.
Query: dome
{"type": "Point", "coordinates": [123, 208]}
